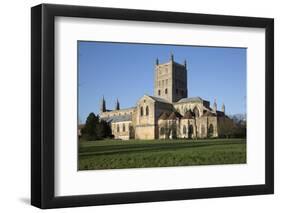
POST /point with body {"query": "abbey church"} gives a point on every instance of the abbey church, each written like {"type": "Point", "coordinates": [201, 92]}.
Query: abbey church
{"type": "Point", "coordinates": [169, 113]}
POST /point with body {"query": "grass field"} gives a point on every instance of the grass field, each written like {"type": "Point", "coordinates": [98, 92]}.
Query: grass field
{"type": "Point", "coordinates": [113, 154]}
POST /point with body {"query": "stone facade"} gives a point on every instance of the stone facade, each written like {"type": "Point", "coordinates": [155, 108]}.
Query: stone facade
{"type": "Point", "coordinates": [169, 113]}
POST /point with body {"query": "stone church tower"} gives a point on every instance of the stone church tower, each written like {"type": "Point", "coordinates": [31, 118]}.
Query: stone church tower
{"type": "Point", "coordinates": [170, 81]}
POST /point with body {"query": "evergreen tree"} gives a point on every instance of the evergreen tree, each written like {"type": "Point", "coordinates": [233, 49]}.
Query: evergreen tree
{"type": "Point", "coordinates": [95, 128]}
{"type": "Point", "coordinates": [89, 131]}
{"type": "Point", "coordinates": [103, 130]}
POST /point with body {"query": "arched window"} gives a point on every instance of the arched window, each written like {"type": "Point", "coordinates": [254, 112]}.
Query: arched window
{"type": "Point", "coordinates": [141, 111]}
{"type": "Point", "coordinates": [162, 131]}
{"type": "Point", "coordinates": [159, 92]}
{"type": "Point", "coordinates": [117, 127]}
{"type": "Point", "coordinates": [184, 130]}
{"type": "Point", "coordinates": [190, 131]}
{"type": "Point", "coordinates": [211, 130]}
{"type": "Point", "coordinates": [166, 91]}
{"type": "Point", "coordinates": [124, 128]}
{"type": "Point", "coordinates": [196, 112]}
{"type": "Point", "coordinates": [146, 111]}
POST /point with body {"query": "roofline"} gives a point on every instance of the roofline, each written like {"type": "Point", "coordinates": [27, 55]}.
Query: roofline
{"type": "Point", "coordinates": [118, 110]}
{"type": "Point", "coordinates": [201, 101]}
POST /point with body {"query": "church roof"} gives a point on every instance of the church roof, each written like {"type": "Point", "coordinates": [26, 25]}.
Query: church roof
{"type": "Point", "coordinates": [118, 118]}
{"type": "Point", "coordinates": [191, 99]}
{"type": "Point", "coordinates": [123, 109]}
{"type": "Point", "coordinates": [220, 113]}
{"type": "Point", "coordinates": [164, 116]}
{"type": "Point", "coordinates": [188, 115]}
{"type": "Point", "coordinates": [208, 113]}
{"type": "Point", "coordinates": [174, 115]}
{"type": "Point", "coordinates": [159, 99]}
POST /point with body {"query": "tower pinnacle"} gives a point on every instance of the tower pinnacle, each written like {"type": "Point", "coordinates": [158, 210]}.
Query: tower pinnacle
{"type": "Point", "coordinates": [157, 61]}
{"type": "Point", "coordinates": [223, 108]}
{"type": "Point", "coordinates": [103, 105]}
{"type": "Point", "coordinates": [117, 107]}
{"type": "Point", "coordinates": [172, 57]}
{"type": "Point", "coordinates": [215, 105]}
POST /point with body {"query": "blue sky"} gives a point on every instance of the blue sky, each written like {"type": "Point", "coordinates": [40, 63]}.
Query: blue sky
{"type": "Point", "coordinates": [126, 71]}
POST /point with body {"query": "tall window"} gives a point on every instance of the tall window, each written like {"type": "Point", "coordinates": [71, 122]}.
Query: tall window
{"type": "Point", "coordinates": [124, 128]}
{"type": "Point", "coordinates": [184, 130]}
{"type": "Point", "coordinates": [190, 131]}
{"type": "Point", "coordinates": [211, 130]}
{"type": "Point", "coordinates": [141, 111]}
{"type": "Point", "coordinates": [162, 131]}
{"type": "Point", "coordinates": [159, 92]}
{"type": "Point", "coordinates": [196, 112]}
{"type": "Point", "coordinates": [117, 127]}
{"type": "Point", "coordinates": [147, 110]}
{"type": "Point", "coordinates": [166, 91]}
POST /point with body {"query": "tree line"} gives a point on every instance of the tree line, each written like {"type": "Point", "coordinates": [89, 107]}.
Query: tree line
{"type": "Point", "coordinates": [237, 128]}
{"type": "Point", "coordinates": [95, 128]}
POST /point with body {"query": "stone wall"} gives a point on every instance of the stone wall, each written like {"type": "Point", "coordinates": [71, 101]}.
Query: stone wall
{"type": "Point", "coordinates": [202, 127]}
{"type": "Point", "coordinates": [117, 112]}
{"type": "Point", "coordinates": [122, 130]}
{"type": "Point", "coordinates": [146, 132]}
{"type": "Point", "coordinates": [183, 107]}
{"type": "Point", "coordinates": [179, 89]}
{"type": "Point", "coordinates": [163, 81]}
{"type": "Point", "coordinates": [145, 119]}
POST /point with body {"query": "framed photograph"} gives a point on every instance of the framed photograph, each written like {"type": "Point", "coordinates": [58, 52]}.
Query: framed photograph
{"type": "Point", "coordinates": [139, 106]}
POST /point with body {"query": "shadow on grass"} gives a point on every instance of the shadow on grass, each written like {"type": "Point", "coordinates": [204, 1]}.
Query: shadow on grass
{"type": "Point", "coordinates": [138, 148]}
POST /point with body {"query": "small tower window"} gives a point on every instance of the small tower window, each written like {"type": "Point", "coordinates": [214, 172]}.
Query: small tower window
{"type": "Point", "coordinates": [147, 111]}
{"type": "Point", "coordinates": [141, 111]}
{"type": "Point", "coordinates": [159, 92]}
{"type": "Point", "coordinates": [166, 91]}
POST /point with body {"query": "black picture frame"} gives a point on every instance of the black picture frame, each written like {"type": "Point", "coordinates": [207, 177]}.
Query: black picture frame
{"type": "Point", "coordinates": [43, 102]}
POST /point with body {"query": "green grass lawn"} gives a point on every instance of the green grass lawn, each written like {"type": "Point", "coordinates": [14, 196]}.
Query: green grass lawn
{"type": "Point", "coordinates": [115, 154]}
